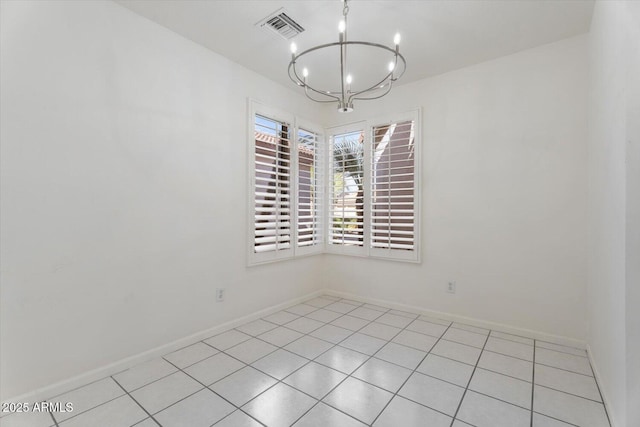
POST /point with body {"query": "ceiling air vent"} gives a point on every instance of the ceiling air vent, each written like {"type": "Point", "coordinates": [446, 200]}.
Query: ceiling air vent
{"type": "Point", "coordinates": [280, 23]}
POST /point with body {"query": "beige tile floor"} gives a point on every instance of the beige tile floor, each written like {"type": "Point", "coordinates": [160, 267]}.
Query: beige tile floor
{"type": "Point", "coordinates": [337, 362]}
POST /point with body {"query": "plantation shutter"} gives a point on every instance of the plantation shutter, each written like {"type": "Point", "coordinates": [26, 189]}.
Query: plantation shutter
{"type": "Point", "coordinates": [272, 186]}
{"type": "Point", "coordinates": [346, 214]}
{"type": "Point", "coordinates": [309, 191]}
{"type": "Point", "coordinates": [371, 206]}
{"type": "Point", "coordinates": [393, 189]}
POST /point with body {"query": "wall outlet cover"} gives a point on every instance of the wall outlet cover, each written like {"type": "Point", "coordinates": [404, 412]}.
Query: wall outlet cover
{"type": "Point", "coordinates": [451, 287]}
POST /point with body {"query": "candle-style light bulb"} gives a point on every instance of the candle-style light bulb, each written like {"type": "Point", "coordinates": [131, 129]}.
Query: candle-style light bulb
{"type": "Point", "coordinates": [396, 39]}
{"type": "Point", "coordinates": [294, 48]}
{"type": "Point", "coordinates": [305, 73]}
{"type": "Point", "coordinates": [391, 66]}
{"type": "Point", "coordinates": [349, 79]}
{"type": "Point", "coordinates": [342, 26]}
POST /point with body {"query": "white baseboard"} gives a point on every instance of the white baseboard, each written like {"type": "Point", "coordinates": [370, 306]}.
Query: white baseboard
{"type": "Point", "coordinates": [67, 385]}
{"type": "Point", "coordinates": [596, 373]}
{"type": "Point", "coordinates": [64, 386]}
{"type": "Point", "coordinates": [528, 333]}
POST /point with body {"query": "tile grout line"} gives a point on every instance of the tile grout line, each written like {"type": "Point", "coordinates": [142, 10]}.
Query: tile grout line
{"type": "Point", "coordinates": [55, 422]}
{"type": "Point", "coordinates": [533, 380]}
{"type": "Point", "coordinates": [370, 321]}
{"type": "Point", "coordinates": [411, 374]}
{"type": "Point", "coordinates": [459, 386]}
{"type": "Point", "coordinates": [412, 319]}
{"type": "Point", "coordinates": [470, 378]}
{"type": "Point", "coordinates": [93, 407]}
{"type": "Point", "coordinates": [88, 384]}
{"type": "Point", "coordinates": [570, 394]}
{"type": "Point", "coordinates": [358, 367]}
{"type": "Point", "coordinates": [408, 398]}
{"type": "Point", "coordinates": [346, 375]}
{"type": "Point", "coordinates": [137, 403]}
{"type": "Point", "coordinates": [555, 367]}
{"type": "Point", "coordinates": [606, 412]}
{"type": "Point", "coordinates": [557, 419]}
{"type": "Point", "coordinates": [206, 387]}
{"type": "Point", "coordinates": [369, 357]}
{"type": "Point", "coordinates": [333, 345]}
{"type": "Point", "coordinates": [267, 342]}
{"type": "Point", "coordinates": [325, 323]}
{"type": "Point", "coordinates": [78, 388]}
{"type": "Point", "coordinates": [372, 356]}
{"type": "Point", "coordinates": [246, 365]}
{"type": "Point", "coordinates": [342, 314]}
{"type": "Point", "coordinates": [190, 394]}
{"type": "Point", "coordinates": [560, 351]}
{"type": "Point", "coordinates": [139, 422]}
{"type": "Point", "coordinates": [277, 346]}
{"type": "Point", "coordinates": [510, 376]}
{"type": "Point", "coordinates": [144, 385]}
{"type": "Point", "coordinates": [525, 360]}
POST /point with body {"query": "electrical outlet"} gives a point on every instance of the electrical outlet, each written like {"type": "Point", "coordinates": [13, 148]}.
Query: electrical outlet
{"type": "Point", "coordinates": [220, 293]}
{"type": "Point", "coordinates": [451, 287]}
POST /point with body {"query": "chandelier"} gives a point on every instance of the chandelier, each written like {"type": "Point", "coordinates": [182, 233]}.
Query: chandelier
{"type": "Point", "coordinates": [348, 91]}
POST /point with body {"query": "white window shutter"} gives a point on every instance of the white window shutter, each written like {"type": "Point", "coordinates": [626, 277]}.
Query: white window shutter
{"type": "Point", "coordinates": [355, 194]}
{"type": "Point", "coordinates": [272, 188]}
{"type": "Point", "coordinates": [309, 191]}
{"type": "Point", "coordinates": [347, 181]}
{"type": "Point", "coordinates": [393, 197]}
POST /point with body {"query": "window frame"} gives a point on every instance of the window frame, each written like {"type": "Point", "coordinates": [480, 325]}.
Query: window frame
{"type": "Point", "coordinates": [329, 246]}
{"type": "Point", "coordinates": [399, 254]}
{"type": "Point", "coordinates": [308, 126]}
{"type": "Point", "coordinates": [367, 250]}
{"type": "Point", "coordinates": [324, 220]}
{"type": "Point", "coordinates": [294, 123]}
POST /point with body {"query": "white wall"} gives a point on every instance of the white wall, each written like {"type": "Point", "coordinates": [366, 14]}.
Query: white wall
{"type": "Point", "coordinates": [123, 190]}
{"type": "Point", "coordinates": [614, 189]}
{"type": "Point", "coordinates": [632, 300]}
{"type": "Point", "coordinates": [119, 220]}
{"type": "Point", "coordinates": [503, 193]}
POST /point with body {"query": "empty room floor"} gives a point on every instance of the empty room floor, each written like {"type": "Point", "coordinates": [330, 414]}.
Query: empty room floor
{"type": "Point", "coordinates": [338, 362]}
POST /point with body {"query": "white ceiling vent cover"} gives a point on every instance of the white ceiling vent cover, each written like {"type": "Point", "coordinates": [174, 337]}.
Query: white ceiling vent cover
{"type": "Point", "coordinates": [280, 23]}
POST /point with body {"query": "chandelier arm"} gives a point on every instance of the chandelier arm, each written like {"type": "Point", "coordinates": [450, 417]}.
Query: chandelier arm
{"type": "Point", "coordinates": [404, 66]}
{"type": "Point", "coordinates": [306, 86]}
{"type": "Point", "coordinates": [352, 98]}
{"type": "Point", "coordinates": [306, 92]}
{"type": "Point", "coordinates": [323, 46]}
{"type": "Point", "coordinates": [319, 92]}
{"type": "Point", "coordinates": [372, 87]}
{"type": "Point", "coordinates": [345, 100]}
{"type": "Point", "coordinates": [345, 97]}
{"type": "Point", "coordinates": [296, 80]}
{"type": "Point", "coordinates": [387, 77]}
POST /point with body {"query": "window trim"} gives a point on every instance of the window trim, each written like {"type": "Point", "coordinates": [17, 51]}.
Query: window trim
{"type": "Point", "coordinates": [400, 255]}
{"type": "Point", "coordinates": [366, 250]}
{"type": "Point", "coordinates": [342, 249]}
{"type": "Point", "coordinates": [299, 251]}
{"type": "Point", "coordinates": [325, 137]}
{"type": "Point", "coordinates": [253, 257]}
{"type": "Point", "coordinates": [294, 122]}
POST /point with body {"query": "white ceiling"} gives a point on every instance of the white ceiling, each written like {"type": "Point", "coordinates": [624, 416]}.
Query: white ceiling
{"type": "Point", "coordinates": [437, 35]}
